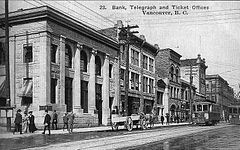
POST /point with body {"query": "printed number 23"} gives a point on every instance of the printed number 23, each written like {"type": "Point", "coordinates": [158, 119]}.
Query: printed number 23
{"type": "Point", "coordinates": [102, 7]}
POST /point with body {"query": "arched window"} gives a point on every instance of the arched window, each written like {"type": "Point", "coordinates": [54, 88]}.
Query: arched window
{"type": "Point", "coordinates": [83, 61]}
{"type": "Point", "coordinates": [68, 56]}
{"type": "Point", "coordinates": [171, 73]}
{"type": "Point", "coordinates": [177, 75]}
{"type": "Point", "coordinates": [98, 65]}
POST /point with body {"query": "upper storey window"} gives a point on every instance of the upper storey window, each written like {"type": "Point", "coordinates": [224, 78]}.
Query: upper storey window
{"type": "Point", "coordinates": [68, 56]}
{"type": "Point", "coordinates": [27, 53]}
{"type": "Point", "coordinates": [53, 53]}
{"type": "Point", "coordinates": [98, 65]}
{"type": "Point", "coordinates": [134, 57]}
{"type": "Point", "coordinates": [83, 61]}
{"type": "Point", "coordinates": [171, 73]}
{"type": "Point", "coordinates": [151, 62]}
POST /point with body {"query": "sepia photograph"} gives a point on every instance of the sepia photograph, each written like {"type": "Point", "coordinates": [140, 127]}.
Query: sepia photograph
{"type": "Point", "coordinates": [124, 75]}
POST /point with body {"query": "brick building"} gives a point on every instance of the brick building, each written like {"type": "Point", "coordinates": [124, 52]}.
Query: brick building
{"type": "Point", "coordinates": [58, 63]}
{"type": "Point", "coordinates": [198, 73]}
{"type": "Point", "coordinates": [219, 91]}
{"type": "Point", "coordinates": [142, 93]}
{"type": "Point", "coordinates": [168, 71]}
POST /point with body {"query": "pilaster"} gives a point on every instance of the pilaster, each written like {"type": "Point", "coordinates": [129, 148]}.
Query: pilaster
{"type": "Point", "coordinates": [92, 82]}
{"type": "Point", "coordinates": [62, 70]}
{"type": "Point", "coordinates": [105, 90]}
{"type": "Point", "coordinates": [77, 81]}
{"type": "Point", "coordinates": [45, 73]}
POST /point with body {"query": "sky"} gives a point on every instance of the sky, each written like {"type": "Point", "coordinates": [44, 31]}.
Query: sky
{"type": "Point", "coordinates": [209, 28]}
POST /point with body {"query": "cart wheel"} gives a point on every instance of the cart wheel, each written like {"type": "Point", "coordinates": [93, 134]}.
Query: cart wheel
{"type": "Point", "coordinates": [114, 126]}
{"type": "Point", "coordinates": [143, 123]}
{"type": "Point", "coordinates": [129, 124]}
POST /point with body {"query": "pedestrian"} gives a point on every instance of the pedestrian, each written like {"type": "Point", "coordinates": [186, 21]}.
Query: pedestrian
{"type": "Point", "coordinates": [25, 122]}
{"type": "Point", "coordinates": [32, 127]}
{"type": "Point", "coordinates": [18, 122]}
{"type": "Point", "coordinates": [55, 120]}
{"type": "Point", "coordinates": [71, 118]}
{"type": "Point", "coordinates": [177, 119]}
{"type": "Point", "coordinates": [167, 117]}
{"type": "Point", "coordinates": [47, 122]}
{"type": "Point", "coordinates": [162, 119]}
{"type": "Point", "coordinates": [65, 121]}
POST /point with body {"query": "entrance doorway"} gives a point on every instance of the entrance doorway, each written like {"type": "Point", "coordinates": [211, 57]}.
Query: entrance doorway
{"type": "Point", "coordinates": [99, 102]}
{"type": "Point", "coordinates": [68, 94]}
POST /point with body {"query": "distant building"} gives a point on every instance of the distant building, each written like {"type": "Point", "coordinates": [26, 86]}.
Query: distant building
{"type": "Point", "coordinates": [219, 91]}
{"type": "Point", "coordinates": [185, 99]}
{"type": "Point", "coordinates": [59, 63]}
{"type": "Point", "coordinates": [198, 72]}
{"type": "Point", "coordinates": [168, 74]}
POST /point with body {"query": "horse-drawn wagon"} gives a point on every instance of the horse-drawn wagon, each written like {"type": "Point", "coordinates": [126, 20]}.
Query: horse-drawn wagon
{"type": "Point", "coordinates": [128, 121]}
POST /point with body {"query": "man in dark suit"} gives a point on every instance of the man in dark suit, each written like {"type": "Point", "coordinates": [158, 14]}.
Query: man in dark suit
{"type": "Point", "coordinates": [47, 120]}
{"type": "Point", "coordinates": [18, 122]}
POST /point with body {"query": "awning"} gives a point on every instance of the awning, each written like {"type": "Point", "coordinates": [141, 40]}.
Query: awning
{"type": "Point", "coordinates": [3, 87]}
{"type": "Point", "coordinates": [27, 88]}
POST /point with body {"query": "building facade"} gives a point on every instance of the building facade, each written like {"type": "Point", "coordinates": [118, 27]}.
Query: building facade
{"type": "Point", "coordinates": [168, 70]}
{"type": "Point", "coordinates": [219, 91]}
{"type": "Point", "coordinates": [141, 73]}
{"type": "Point", "coordinates": [58, 63]}
{"type": "Point", "coordinates": [198, 75]}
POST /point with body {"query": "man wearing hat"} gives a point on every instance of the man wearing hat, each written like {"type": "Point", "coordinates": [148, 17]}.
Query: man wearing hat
{"type": "Point", "coordinates": [47, 121]}
{"type": "Point", "coordinates": [18, 122]}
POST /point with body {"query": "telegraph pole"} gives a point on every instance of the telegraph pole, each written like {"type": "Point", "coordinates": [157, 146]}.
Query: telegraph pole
{"type": "Point", "coordinates": [129, 34]}
{"type": "Point", "coordinates": [190, 92]}
{"type": "Point", "coordinates": [7, 52]}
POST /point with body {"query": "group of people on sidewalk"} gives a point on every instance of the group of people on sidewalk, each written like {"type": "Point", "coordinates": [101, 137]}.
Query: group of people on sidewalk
{"type": "Point", "coordinates": [26, 123]}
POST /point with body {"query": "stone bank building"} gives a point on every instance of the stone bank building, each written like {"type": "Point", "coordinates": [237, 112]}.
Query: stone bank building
{"type": "Point", "coordinates": [58, 63]}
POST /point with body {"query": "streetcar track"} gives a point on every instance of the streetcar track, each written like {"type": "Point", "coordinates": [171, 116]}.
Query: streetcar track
{"type": "Point", "coordinates": [131, 138]}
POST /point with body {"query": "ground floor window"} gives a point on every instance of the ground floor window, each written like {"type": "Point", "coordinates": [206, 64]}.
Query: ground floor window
{"type": "Point", "coordinates": [84, 96]}
{"type": "Point", "coordinates": [68, 94]}
{"type": "Point", "coordinates": [26, 101]}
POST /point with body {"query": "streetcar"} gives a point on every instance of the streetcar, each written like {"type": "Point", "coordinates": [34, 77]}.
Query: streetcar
{"type": "Point", "coordinates": [234, 114]}
{"type": "Point", "coordinates": [206, 113]}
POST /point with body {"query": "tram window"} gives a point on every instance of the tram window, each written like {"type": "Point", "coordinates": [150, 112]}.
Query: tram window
{"type": "Point", "coordinates": [205, 107]}
{"type": "Point", "coordinates": [234, 110]}
{"type": "Point", "coordinates": [230, 110]}
{"type": "Point", "coordinates": [194, 108]}
{"type": "Point", "coordinates": [238, 110]}
{"type": "Point", "coordinates": [199, 107]}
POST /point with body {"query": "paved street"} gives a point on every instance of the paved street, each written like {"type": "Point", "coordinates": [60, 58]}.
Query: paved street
{"type": "Point", "coordinates": [227, 138]}
{"type": "Point", "coordinates": [107, 139]}
{"type": "Point", "coordinates": [17, 141]}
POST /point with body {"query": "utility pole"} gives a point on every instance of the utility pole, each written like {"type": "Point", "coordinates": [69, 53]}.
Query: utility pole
{"type": "Point", "coordinates": [126, 34]}
{"type": "Point", "coordinates": [7, 52]}
{"type": "Point", "coordinates": [190, 92]}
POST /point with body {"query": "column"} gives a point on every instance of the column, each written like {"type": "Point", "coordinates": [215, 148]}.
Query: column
{"type": "Point", "coordinates": [91, 84]}
{"type": "Point", "coordinates": [77, 81]}
{"type": "Point", "coordinates": [45, 71]}
{"type": "Point", "coordinates": [62, 71]}
{"type": "Point", "coordinates": [105, 91]}
{"type": "Point", "coordinates": [116, 76]}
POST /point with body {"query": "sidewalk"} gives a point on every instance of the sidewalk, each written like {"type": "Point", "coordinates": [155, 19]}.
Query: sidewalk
{"type": "Point", "coordinates": [6, 135]}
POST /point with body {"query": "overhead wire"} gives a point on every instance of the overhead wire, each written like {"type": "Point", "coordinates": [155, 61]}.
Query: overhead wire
{"type": "Point", "coordinates": [94, 12]}
{"type": "Point", "coordinates": [91, 25]}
